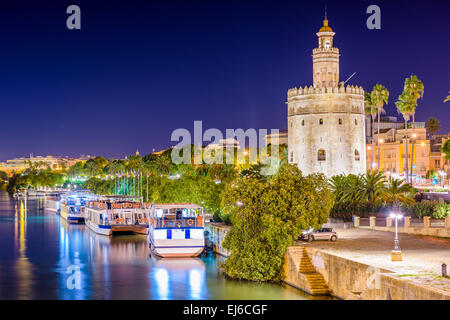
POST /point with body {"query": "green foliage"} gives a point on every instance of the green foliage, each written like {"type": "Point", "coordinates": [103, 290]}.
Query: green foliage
{"type": "Point", "coordinates": [424, 208]}
{"type": "Point", "coordinates": [368, 193]}
{"type": "Point", "coordinates": [431, 174]}
{"type": "Point", "coordinates": [446, 149]}
{"type": "Point", "coordinates": [99, 186]}
{"type": "Point", "coordinates": [268, 216]}
{"type": "Point", "coordinates": [76, 170]}
{"type": "Point", "coordinates": [399, 191]}
{"type": "Point", "coordinates": [17, 182]}
{"type": "Point", "coordinates": [433, 125]}
{"type": "Point", "coordinates": [441, 210]}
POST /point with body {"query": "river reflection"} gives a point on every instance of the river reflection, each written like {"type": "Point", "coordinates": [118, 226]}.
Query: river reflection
{"type": "Point", "coordinates": [40, 254]}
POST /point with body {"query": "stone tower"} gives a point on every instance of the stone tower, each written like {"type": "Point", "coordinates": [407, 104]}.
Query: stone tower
{"type": "Point", "coordinates": [326, 127]}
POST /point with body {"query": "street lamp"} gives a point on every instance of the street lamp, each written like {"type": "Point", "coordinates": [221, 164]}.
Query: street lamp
{"type": "Point", "coordinates": [396, 254]}
{"type": "Point", "coordinates": [442, 175]}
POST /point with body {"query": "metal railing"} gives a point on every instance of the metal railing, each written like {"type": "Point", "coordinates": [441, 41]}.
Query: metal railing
{"type": "Point", "coordinates": [177, 223]}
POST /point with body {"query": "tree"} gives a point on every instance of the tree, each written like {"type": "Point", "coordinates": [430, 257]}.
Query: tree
{"type": "Point", "coordinates": [433, 126]}
{"type": "Point", "coordinates": [379, 97]}
{"type": "Point", "coordinates": [91, 168]}
{"type": "Point", "coordinates": [267, 218]}
{"type": "Point", "coordinates": [76, 170]}
{"type": "Point", "coordinates": [398, 192]}
{"type": "Point", "coordinates": [415, 89]}
{"type": "Point", "coordinates": [372, 187]}
{"type": "Point", "coordinates": [431, 174]}
{"type": "Point", "coordinates": [405, 107]}
{"type": "Point", "coordinates": [370, 109]}
{"type": "Point", "coordinates": [446, 149]}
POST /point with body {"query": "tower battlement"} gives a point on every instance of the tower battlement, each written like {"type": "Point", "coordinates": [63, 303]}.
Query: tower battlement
{"type": "Point", "coordinates": [349, 89]}
{"type": "Point", "coordinates": [326, 120]}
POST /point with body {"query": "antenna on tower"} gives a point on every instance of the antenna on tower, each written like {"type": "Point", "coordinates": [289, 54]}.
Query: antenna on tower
{"type": "Point", "coordinates": [349, 78]}
{"type": "Point", "coordinates": [325, 12]}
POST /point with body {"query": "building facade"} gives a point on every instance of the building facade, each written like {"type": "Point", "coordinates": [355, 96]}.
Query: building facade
{"type": "Point", "coordinates": [52, 162]}
{"type": "Point", "coordinates": [424, 153]}
{"type": "Point", "coordinates": [391, 143]}
{"type": "Point", "coordinates": [277, 138]}
{"type": "Point", "coordinates": [326, 121]}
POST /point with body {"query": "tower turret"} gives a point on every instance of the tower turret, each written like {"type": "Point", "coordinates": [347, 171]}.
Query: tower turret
{"type": "Point", "coordinates": [325, 58]}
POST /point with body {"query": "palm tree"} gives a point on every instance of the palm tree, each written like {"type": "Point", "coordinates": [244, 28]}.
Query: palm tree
{"type": "Point", "coordinates": [379, 97]}
{"type": "Point", "coordinates": [370, 109]}
{"type": "Point", "coordinates": [398, 191]}
{"type": "Point", "coordinates": [448, 98]}
{"type": "Point", "coordinates": [404, 106]}
{"type": "Point", "coordinates": [162, 164]}
{"type": "Point", "coordinates": [415, 89]}
{"type": "Point", "coordinates": [372, 186]}
{"type": "Point", "coordinates": [433, 126]}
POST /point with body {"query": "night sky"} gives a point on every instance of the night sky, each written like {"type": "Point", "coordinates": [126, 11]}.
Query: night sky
{"type": "Point", "coordinates": [137, 70]}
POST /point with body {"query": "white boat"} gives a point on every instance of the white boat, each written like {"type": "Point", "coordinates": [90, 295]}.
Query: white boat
{"type": "Point", "coordinates": [116, 214]}
{"type": "Point", "coordinates": [176, 230]}
{"type": "Point", "coordinates": [71, 206]}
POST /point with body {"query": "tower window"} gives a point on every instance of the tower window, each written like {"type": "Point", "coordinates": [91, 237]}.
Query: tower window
{"type": "Point", "coordinates": [356, 122]}
{"type": "Point", "coordinates": [356, 155]}
{"type": "Point", "coordinates": [292, 157]}
{"type": "Point", "coordinates": [303, 122]}
{"type": "Point", "coordinates": [340, 121]}
{"type": "Point", "coordinates": [321, 121]}
{"type": "Point", "coordinates": [321, 155]}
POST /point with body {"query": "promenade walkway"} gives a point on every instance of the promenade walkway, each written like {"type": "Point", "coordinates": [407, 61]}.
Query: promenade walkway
{"type": "Point", "coordinates": [422, 255]}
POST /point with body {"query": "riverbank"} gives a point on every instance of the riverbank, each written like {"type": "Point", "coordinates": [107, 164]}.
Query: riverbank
{"type": "Point", "coordinates": [359, 266]}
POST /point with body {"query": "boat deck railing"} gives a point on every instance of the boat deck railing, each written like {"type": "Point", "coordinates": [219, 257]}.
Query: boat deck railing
{"type": "Point", "coordinates": [159, 223]}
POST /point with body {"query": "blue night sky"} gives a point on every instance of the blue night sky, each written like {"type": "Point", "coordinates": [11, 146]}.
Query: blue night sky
{"type": "Point", "coordinates": [137, 70]}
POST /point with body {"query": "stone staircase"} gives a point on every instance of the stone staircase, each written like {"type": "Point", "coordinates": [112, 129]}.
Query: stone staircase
{"type": "Point", "coordinates": [315, 280]}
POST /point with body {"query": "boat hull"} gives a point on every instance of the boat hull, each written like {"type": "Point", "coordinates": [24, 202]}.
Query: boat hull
{"type": "Point", "coordinates": [138, 229]}
{"type": "Point", "coordinates": [100, 229]}
{"type": "Point", "coordinates": [71, 218]}
{"type": "Point", "coordinates": [177, 248]}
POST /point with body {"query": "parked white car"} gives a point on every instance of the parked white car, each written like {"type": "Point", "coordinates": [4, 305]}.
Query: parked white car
{"type": "Point", "coordinates": [320, 234]}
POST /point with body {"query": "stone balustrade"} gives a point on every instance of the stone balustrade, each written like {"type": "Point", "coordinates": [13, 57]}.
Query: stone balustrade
{"type": "Point", "coordinates": [426, 222]}
{"type": "Point", "coordinates": [438, 230]}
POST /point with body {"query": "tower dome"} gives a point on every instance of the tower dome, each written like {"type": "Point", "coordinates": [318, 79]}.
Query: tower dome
{"type": "Point", "coordinates": [325, 27]}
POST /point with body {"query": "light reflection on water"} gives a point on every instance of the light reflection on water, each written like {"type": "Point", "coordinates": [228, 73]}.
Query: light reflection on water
{"type": "Point", "coordinates": [36, 252]}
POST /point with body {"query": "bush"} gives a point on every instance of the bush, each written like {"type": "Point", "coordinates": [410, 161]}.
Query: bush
{"type": "Point", "coordinates": [441, 210]}
{"type": "Point", "coordinates": [424, 208]}
{"type": "Point", "coordinates": [267, 218]}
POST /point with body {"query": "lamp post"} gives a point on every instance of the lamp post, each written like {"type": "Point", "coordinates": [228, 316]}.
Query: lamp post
{"type": "Point", "coordinates": [396, 254]}
{"type": "Point", "coordinates": [442, 175]}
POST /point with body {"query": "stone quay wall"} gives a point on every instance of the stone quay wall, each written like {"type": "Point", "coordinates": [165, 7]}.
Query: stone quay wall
{"type": "Point", "coordinates": [216, 235]}
{"type": "Point", "coordinates": [346, 279]}
{"type": "Point", "coordinates": [352, 280]}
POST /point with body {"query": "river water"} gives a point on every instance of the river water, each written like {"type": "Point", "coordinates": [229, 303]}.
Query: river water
{"type": "Point", "coordinates": [43, 257]}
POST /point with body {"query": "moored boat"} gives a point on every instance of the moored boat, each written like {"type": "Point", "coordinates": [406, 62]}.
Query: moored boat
{"type": "Point", "coordinates": [116, 214]}
{"type": "Point", "coordinates": [71, 206]}
{"type": "Point", "coordinates": [176, 230]}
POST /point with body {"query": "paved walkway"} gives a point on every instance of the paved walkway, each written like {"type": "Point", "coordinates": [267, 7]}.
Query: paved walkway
{"type": "Point", "coordinates": [422, 255]}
